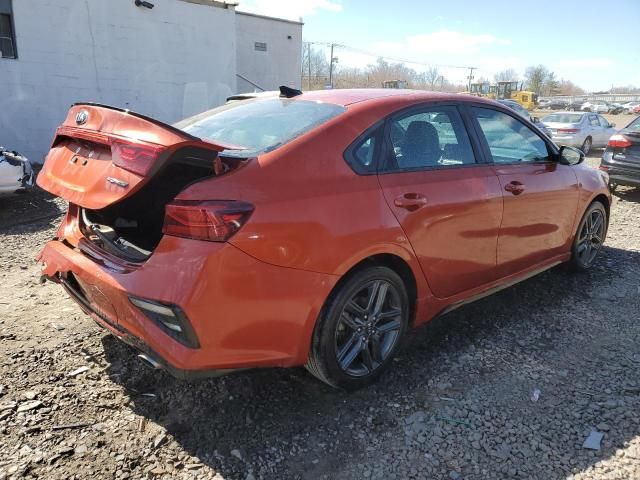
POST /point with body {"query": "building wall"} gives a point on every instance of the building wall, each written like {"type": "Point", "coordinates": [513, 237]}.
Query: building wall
{"type": "Point", "coordinates": [170, 62]}
{"type": "Point", "coordinates": [279, 65]}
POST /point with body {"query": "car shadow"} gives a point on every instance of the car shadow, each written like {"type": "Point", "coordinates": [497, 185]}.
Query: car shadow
{"type": "Point", "coordinates": [30, 211]}
{"type": "Point", "coordinates": [628, 194]}
{"type": "Point", "coordinates": [546, 331]}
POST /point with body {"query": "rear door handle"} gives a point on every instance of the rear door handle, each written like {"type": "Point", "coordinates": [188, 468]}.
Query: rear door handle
{"type": "Point", "coordinates": [410, 201]}
{"type": "Point", "coordinates": [515, 187]}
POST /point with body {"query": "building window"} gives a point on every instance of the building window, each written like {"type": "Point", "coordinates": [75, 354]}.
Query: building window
{"type": "Point", "coordinates": [7, 36]}
{"type": "Point", "coordinates": [260, 46]}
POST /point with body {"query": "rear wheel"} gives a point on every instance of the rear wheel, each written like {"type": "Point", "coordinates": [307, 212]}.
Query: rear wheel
{"type": "Point", "coordinates": [613, 187]}
{"type": "Point", "coordinates": [586, 146]}
{"type": "Point", "coordinates": [359, 329]}
{"type": "Point", "coordinates": [590, 237]}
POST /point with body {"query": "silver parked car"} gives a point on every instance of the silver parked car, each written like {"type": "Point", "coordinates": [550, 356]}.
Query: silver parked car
{"type": "Point", "coordinates": [579, 129]}
{"type": "Point", "coordinates": [16, 173]}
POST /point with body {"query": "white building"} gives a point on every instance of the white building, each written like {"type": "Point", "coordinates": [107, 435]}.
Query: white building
{"type": "Point", "coordinates": [176, 59]}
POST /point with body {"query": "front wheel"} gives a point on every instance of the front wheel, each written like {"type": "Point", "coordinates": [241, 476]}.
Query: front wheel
{"type": "Point", "coordinates": [590, 237]}
{"type": "Point", "coordinates": [359, 329]}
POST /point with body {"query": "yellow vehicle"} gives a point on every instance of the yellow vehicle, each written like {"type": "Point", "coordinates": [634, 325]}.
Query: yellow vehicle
{"type": "Point", "coordinates": [479, 89]}
{"type": "Point", "coordinates": [513, 91]}
{"type": "Point", "coordinates": [394, 84]}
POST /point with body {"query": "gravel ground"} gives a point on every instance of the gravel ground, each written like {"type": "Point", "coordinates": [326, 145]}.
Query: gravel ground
{"type": "Point", "coordinates": [508, 387]}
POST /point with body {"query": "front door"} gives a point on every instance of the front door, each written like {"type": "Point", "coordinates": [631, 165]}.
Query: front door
{"type": "Point", "coordinates": [449, 204]}
{"type": "Point", "coordinates": [540, 195]}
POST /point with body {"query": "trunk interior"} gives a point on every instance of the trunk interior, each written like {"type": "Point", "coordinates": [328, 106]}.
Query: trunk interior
{"type": "Point", "coordinates": [132, 228]}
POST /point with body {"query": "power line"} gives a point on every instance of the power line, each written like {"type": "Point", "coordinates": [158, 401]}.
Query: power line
{"type": "Point", "coordinates": [394, 59]}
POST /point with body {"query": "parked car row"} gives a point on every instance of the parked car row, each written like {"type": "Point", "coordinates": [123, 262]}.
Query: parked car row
{"type": "Point", "coordinates": [597, 106]}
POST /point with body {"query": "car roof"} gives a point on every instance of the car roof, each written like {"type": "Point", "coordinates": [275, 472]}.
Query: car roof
{"type": "Point", "coordinates": [566, 112]}
{"type": "Point", "coordinates": [346, 97]}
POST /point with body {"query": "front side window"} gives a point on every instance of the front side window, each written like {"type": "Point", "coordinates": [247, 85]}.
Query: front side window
{"type": "Point", "coordinates": [259, 125]}
{"type": "Point", "coordinates": [604, 122]}
{"type": "Point", "coordinates": [7, 37]}
{"type": "Point", "coordinates": [509, 140]}
{"type": "Point", "coordinates": [430, 138]}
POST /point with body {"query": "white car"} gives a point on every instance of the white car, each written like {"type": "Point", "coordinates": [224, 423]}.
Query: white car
{"type": "Point", "coordinates": [629, 106]}
{"type": "Point", "coordinates": [595, 107]}
{"type": "Point", "coordinates": [579, 129]}
{"type": "Point", "coordinates": [16, 173]}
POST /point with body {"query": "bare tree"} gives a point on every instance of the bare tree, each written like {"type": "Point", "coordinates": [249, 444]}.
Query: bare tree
{"type": "Point", "coordinates": [315, 67]}
{"type": "Point", "coordinates": [508, 75]}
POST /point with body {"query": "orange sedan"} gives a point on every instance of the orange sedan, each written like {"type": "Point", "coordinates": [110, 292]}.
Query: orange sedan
{"type": "Point", "coordinates": [308, 229]}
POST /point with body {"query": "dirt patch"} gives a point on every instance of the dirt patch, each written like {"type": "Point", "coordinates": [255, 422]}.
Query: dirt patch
{"type": "Point", "coordinates": [458, 404]}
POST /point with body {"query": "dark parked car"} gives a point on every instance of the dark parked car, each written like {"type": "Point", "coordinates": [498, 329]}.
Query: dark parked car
{"type": "Point", "coordinates": [575, 106]}
{"type": "Point", "coordinates": [621, 159]}
{"type": "Point", "coordinates": [557, 104]}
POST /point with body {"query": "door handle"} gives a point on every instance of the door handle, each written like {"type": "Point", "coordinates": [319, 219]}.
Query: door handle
{"type": "Point", "coordinates": [410, 201]}
{"type": "Point", "coordinates": [515, 187]}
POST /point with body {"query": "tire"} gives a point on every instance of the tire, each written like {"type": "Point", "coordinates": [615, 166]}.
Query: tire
{"type": "Point", "coordinates": [613, 187]}
{"type": "Point", "coordinates": [586, 146]}
{"type": "Point", "coordinates": [349, 348]}
{"type": "Point", "coordinates": [589, 238]}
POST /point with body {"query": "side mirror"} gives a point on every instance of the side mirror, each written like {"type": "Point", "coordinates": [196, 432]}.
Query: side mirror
{"type": "Point", "coordinates": [570, 155]}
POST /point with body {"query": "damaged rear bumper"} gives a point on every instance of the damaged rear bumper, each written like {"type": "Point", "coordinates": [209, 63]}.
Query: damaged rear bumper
{"type": "Point", "coordinates": [244, 313]}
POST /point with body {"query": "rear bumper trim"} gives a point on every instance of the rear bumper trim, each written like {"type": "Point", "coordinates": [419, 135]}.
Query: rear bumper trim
{"type": "Point", "coordinates": [125, 336]}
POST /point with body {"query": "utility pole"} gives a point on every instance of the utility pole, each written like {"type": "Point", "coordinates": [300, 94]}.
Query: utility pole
{"type": "Point", "coordinates": [471, 69]}
{"type": "Point", "coordinates": [309, 65]}
{"type": "Point", "coordinates": [331, 67]}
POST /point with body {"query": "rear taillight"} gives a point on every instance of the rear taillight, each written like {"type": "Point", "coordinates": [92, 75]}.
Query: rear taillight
{"type": "Point", "coordinates": [136, 157]}
{"type": "Point", "coordinates": [214, 221]}
{"type": "Point", "coordinates": [567, 130]}
{"type": "Point", "coordinates": [619, 141]}
{"type": "Point", "coordinates": [604, 168]}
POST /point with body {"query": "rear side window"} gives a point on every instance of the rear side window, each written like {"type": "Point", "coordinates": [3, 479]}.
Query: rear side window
{"type": "Point", "coordinates": [509, 140]}
{"type": "Point", "coordinates": [593, 121]}
{"type": "Point", "coordinates": [259, 125]}
{"type": "Point", "coordinates": [434, 137]}
{"type": "Point", "coordinates": [362, 154]}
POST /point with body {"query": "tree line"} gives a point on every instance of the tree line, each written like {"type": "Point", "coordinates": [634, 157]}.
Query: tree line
{"type": "Point", "coordinates": [317, 70]}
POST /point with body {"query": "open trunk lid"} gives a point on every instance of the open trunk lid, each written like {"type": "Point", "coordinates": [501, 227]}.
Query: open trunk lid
{"type": "Point", "coordinates": [101, 154]}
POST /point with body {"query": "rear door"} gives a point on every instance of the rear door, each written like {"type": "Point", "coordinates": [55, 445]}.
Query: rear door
{"type": "Point", "coordinates": [540, 195]}
{"type": "Point", "coordinates": [448, 202]}
{"type": "Point", "coordinates": [607, 130]}
{"type": "Point", "coordinates": [101, 154]}
{"type": "Point", "coordinates": [596, 132]}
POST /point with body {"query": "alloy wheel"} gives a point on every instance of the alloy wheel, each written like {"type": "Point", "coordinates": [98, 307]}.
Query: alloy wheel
{"type": "Point", "coordinates": [368, 328]}
{"type": "Point", "coordinates": [586, 146]}
{"type": "Point", "coordinates": [591, 237]}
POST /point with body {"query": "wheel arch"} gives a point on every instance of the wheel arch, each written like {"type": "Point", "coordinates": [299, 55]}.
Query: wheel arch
{"type": "Point", "coordinates": [392, 261]}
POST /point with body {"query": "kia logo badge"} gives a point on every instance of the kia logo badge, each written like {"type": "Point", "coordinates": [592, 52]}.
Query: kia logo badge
{"type": "Point", "coordinates": [81, 117]}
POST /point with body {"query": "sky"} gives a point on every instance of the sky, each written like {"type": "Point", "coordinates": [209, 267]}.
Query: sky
{"type": "Point", "coordinates": [592, 43]}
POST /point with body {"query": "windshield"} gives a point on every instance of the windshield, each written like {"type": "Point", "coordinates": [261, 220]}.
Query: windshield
{"type": "Point", "coordinates": [259, 125]}
{"type": "Point", "coordinates": [635, 125]}
{"type": "Point", "coordinates": [563, 118]}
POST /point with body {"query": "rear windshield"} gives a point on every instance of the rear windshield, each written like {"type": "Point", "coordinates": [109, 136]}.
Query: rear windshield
{"type": "Point", "coordinates": [259, 125]}
{"type": "Point", "coordinates": [634, 126]}
{"type": "Point", "coordinates": [563, 118]}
